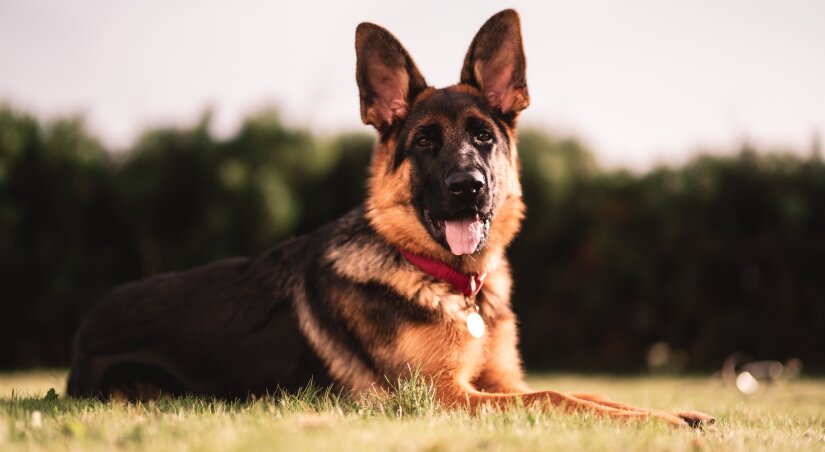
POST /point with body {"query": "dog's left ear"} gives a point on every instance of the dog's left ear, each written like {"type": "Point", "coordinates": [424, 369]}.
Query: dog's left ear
{"type": "Point", "coordinates": [495, 63]}
{"type": "Point", "coordinates": [388, 80]}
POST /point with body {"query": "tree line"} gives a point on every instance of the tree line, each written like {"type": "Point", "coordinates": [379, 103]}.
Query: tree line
{"type": "Point", "coordinates": [724, 253]}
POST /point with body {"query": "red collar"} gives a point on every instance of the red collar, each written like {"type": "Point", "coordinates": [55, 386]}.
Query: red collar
{"type": "Point", "coordinates": [467, 284]}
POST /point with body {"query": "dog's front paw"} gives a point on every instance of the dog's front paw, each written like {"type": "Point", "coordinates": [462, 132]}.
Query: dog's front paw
{"type": "Point", "coordinates": [695, 419]}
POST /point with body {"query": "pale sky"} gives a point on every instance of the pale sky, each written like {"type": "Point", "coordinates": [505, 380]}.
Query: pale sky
{"type": "Point", "coordinates": [641, 82]}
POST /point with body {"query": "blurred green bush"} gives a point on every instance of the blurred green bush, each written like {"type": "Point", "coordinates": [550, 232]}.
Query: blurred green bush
{"type": "Point", "coordinates": [722, 254]}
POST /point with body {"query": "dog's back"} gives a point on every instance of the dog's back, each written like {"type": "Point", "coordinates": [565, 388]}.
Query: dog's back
{"type": "Point", "coordinates": [227, 329]}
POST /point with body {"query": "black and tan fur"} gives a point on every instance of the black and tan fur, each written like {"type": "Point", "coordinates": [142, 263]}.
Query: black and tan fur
{"type": "Point", "coordinates": [341, 306]}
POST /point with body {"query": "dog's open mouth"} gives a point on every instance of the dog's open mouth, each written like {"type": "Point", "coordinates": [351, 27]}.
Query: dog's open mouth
{"type": "Point", "coordinates": [463, 235]}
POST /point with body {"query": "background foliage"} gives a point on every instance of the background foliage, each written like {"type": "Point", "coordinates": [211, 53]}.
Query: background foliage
{"type": "Point", "coordinates": [722, 254]}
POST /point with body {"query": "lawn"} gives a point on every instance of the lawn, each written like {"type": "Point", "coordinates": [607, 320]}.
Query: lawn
{"type": "Point", "coordinates": [786, 416]}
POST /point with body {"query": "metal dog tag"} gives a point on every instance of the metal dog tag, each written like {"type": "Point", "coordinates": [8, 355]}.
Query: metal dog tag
{"type": "Point", "coordinates": [475, 325]}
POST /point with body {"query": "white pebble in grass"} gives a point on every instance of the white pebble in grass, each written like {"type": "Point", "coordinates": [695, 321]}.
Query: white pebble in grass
{"type": "Point", "coordinates": [37, 419]}
{"type": "Point", "coordinates": [746, 383]}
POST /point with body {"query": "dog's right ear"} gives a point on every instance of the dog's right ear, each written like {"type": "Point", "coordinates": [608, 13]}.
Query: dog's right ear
{"type": "Point", "coordinates": [388, 80]}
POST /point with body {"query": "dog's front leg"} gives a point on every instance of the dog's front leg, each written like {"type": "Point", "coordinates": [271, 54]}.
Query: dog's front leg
{"type": "Point", "coordinates": [693, 418]}
{"type": "Point", "coordinates": [502, 375]}
{"type": "Point", "coordinates": [471, 398]}
{"type": "Point", "coordinates": [501, 372]}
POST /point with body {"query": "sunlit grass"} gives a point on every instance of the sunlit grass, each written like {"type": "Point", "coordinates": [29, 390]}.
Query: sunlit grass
{"type": "Point", "coordinates": [788, 416]}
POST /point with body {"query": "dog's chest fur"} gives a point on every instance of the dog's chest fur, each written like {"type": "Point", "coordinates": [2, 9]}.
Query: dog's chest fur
{"type": "Point", "coordinates": [436, 341]}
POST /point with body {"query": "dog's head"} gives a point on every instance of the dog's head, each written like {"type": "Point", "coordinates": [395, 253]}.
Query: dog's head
{"type": "Point", "coordinates": [444, 176]}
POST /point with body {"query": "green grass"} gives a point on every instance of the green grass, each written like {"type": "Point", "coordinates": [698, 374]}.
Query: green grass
{"type": "Point", "coordinates": [788, 416]}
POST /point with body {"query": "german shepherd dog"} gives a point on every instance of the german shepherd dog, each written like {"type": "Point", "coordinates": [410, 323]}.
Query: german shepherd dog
{"type": "Point", "coordinates": [414, 279]}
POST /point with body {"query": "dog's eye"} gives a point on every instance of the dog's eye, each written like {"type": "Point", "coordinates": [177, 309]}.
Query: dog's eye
{"type": "Point", "coordinates": [423, 142]}
{"type": "Point", "coordinates": [484, 136]}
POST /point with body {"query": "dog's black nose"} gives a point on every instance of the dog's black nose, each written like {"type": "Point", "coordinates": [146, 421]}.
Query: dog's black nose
{"type": "Point", "coordinates": [465, 183]}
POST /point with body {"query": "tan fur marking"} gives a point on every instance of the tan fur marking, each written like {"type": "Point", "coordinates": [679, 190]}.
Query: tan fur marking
{"type": "Point", "coordinates": [374, 262]}
{"type": "Point", "coordinates": [345, 367]}
{"type": "Point", "coordinates": [502, 368]}
{"type": "Point", "coordinates": [390, 210]}
{"type": "Point", "coordinates": [453, 356]}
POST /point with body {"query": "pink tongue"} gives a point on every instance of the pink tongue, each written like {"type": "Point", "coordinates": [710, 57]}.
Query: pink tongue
{"type": "Point", "coordinates": [463, 235]}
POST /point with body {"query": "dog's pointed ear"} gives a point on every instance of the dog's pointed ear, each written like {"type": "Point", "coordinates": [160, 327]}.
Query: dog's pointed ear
{"type": "Point", "coordinates": [495, 63]}
{"type": "Point", "coordinates": [388, 80]}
